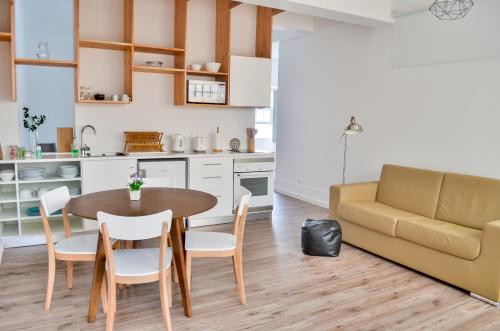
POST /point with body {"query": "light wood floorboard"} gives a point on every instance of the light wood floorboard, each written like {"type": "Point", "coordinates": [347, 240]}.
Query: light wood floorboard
{"type": "Point", "coordinates": [285, 290]}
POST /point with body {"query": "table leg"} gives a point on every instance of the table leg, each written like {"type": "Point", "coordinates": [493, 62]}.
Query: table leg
{"type": "Point", "coordinates": [180, 262]}
{"type": "Point", "coordinates": [95, 292]}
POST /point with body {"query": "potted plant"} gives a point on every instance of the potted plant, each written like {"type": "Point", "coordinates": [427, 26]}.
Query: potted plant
{"type": "Point", "coordinates": [32, 124]}
{"type": "Point", "coordinates": [135, 183]}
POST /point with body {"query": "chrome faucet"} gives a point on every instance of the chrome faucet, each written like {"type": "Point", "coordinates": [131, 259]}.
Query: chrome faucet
{"type": "Point", "coordinates": [84, 149]}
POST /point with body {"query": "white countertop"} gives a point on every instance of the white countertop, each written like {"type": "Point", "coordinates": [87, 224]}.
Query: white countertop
{"type": "Point", "coordinates": [67, 157]}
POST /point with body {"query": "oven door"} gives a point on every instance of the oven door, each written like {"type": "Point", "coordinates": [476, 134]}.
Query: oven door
{"type": "Point", "coordinates": [260, 184]}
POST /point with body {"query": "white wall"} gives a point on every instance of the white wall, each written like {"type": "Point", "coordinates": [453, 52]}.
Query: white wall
{"type": "Point", "coordinates": [442, 116]}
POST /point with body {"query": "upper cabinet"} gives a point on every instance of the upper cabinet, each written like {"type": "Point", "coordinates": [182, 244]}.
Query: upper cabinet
{"type": "Point", "coordinates": [250, 81]}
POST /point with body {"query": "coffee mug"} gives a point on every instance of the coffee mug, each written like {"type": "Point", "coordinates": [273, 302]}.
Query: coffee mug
{"type": "Point", "coordinates": [26, 194]}
{"type": "Point", "coordinates": [125, 97]}
{"type": "Point", "coordinates": [115, 97]}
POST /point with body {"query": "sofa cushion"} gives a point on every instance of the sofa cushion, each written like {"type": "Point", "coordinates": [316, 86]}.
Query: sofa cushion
{"type": "Point", "coordinates": [449, 238]}
{"type": "Point", "coordinates": [372, 215]}
{"type": "Point", "coordinates": [469, 200]}
{"type": "Point", "coordinates": [410, 189]}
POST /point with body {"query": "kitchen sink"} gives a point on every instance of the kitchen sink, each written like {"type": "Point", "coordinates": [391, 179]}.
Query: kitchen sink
{"type": "Point", "coordinates": [112, 154]}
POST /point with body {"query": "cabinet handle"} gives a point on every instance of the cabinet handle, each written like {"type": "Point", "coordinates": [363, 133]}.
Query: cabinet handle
{"type": "Point", "coordinates": [212, 164]}
{"type": "Point", "coordinates": [212, 177]}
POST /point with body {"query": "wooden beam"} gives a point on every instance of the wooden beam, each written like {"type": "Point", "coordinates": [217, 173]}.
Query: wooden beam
{"type": "Point", "coordinates": [223, 34]}
{"type": "Point", "coordinates": [13, 51]}
{"type": "Point", "coordinates": [233, 4]}
{"type": "Point", "coordinates": [180, 30]}
{"type": "Point", "coordinates": [277, 11]}
{"type": "Point", "coordinates": [264, 33]}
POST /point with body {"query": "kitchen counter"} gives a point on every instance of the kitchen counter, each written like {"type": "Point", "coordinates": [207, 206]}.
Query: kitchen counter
{"type": "Point", "coordinates": [62, 157]}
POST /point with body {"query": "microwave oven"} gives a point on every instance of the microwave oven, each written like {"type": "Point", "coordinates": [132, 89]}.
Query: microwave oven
{"type": "Point", "coordinates": [206, 91]}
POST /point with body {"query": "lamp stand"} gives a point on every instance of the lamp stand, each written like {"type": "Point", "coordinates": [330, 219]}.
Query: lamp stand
{"type": "Point", "coordinates": [345, 159]}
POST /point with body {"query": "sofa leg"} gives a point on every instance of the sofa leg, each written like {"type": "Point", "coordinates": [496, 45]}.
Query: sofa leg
{"type": "Point", "coordinates": [491, 302]}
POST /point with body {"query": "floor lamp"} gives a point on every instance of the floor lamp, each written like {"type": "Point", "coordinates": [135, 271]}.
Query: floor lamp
{"type": "Point", "coordinates": [352, 128]}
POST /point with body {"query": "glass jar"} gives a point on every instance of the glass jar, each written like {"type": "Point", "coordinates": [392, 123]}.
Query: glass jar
{"type": "Point", "coordinates": [43, 50]}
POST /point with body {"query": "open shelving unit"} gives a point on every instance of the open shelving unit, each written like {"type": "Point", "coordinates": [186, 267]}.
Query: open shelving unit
{"type": "Point", "coordinates": [16, 226]}
{"type": "Point", "coordinates": [130, 48]}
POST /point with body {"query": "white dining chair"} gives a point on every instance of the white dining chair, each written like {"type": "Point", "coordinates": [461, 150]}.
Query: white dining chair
{"type": "Point", "coordinates": [78, 248]}
{"type": "Point", "coordinates": [218, 244]}
{"type": "Point", "coordinates": [137, 266]}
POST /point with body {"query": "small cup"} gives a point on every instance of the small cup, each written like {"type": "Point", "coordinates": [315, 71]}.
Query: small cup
{"type": "Point", "coordinates": [125, 97]}
{"type": "Point", "coordinates": [115, 97]}
{"type": "Point", "coordinates": [21, 151]}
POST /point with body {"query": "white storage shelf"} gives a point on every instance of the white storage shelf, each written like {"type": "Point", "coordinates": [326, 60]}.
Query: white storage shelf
{"type": "Point", "coordinates": [15, 224]}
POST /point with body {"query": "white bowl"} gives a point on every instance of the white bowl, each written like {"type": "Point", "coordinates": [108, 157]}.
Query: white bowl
{"type": "Point", "coordinates": [195, 67]}
{"type": "Point", "coordinates": [212, 66]}
{"type": "Point", "coordinates": [6, 175]}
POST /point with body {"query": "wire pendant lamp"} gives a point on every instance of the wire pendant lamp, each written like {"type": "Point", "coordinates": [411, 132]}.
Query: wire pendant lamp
{"type": "Point", "coordinates": [451, 9]}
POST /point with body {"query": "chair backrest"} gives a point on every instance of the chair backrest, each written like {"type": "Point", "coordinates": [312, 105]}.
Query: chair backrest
{"type": "Point", "coordinates": [55, 200]}
{"type": "Point", "coordinates": [135, 228]}
{"type": "Point", "coordinates": [51, 202]}
{"type": "Point", "coordinates": [159, 182]}
{"type": "Point", "coordinates": [241, 216]}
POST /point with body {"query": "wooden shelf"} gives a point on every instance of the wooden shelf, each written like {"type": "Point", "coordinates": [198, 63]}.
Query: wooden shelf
{"type": "Point", "coordinates": [206, 73]}
{"type": "Point", "coordinates": [104, 102]}
{"type": "Point", "coordinates": [48, 63]}
{"type": "Point", "coordinates": [101, 44]}
{"type": "Point", "coordinates": [157, 50]}
{"type": "Point", "coordinates": [206, 105]}
{"type": "Point", "coordinates": [157, 70]}
{"type": "Point", "coordinates": [5, 36]}
{"type": "Point", "coordinates": [49, 180]}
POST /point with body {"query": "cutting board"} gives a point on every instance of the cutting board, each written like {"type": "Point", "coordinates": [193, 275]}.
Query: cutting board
{"type": "Point", "coordinates": [64, 139]}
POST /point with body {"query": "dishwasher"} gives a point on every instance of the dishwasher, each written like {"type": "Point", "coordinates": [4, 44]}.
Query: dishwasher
{"type": "Point", "coordinates": [163, 173]}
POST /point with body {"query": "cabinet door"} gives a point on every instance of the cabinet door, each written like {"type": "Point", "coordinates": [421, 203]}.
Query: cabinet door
{"type": "Point", "coordinates": [102, 175]}
{"type": "Point", "coordinates": [250, 81]}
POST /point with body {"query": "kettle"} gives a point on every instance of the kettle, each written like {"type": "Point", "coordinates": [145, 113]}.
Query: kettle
{"type": "Point", "coordinates": [199, 144]}
{"type": "Point", "coordinates": [178, 143]}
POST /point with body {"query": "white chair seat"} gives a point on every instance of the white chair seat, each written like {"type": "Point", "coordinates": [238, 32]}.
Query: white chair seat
{"type": "Point", "coordinates": [77, 244]}
{"type": "Point", "coordinates": [209, 241]}
{"type": "Point", "coordinates": [139, 262]}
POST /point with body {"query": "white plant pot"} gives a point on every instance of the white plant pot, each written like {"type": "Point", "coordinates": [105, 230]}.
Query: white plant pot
{"type": "Point", "coordinates": [135, 195]}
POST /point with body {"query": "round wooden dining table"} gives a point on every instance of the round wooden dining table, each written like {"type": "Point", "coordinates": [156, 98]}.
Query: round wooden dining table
{"type": "Point", "coordinates": [182, 202]}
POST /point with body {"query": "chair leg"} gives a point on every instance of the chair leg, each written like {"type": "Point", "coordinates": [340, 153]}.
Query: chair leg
{"type": "Point", "coordinates": [69, 274]}
{"type": "Point", "coordinates": [174, 270]}
{"type": "Point", "coordinates": [239, 275]}
{"type": "Point", "coordinates": [169, 286]}
{"type": "Point", "coordinates": [188, 269]}
{"type": "Point", "coordinates": [110, 319]}
{"type": "Point", "coordinates": [164, 301]}
{"type": "Point", "coordinates": [234, 270]}
{"type": "Point", "coordinates": [104, 296]}
{"type": "Point", "coordinates": [50, 281]}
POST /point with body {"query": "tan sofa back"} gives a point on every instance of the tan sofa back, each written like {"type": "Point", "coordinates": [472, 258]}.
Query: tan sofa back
{"type": "Point", "coordinates": [469, 200]}
{"type": "Point", "coordinates": [410, 189]}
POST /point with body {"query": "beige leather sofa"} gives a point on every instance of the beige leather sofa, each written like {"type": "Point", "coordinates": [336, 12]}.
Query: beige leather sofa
{"type": "Point", "coordinates": [443, 224]}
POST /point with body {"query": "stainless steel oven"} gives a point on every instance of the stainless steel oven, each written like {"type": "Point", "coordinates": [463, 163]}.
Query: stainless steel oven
{"type": "Point", "coordinates": [257, 176]}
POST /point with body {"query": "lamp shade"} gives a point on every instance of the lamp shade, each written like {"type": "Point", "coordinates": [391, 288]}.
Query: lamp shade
{"type": "Point", "coordinates": [451, 9]}
{"type": "Point", "coordinates": [353, 127]}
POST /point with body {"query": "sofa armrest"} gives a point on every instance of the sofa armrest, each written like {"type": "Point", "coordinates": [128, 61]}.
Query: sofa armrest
{"type": "Point", "coordinates": [490, 241]}
{"type": "Point", "coordinates": [351, 192]}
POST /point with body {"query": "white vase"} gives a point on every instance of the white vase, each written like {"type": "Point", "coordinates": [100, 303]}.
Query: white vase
{"type": "Point", "coordinates": [135, 195]}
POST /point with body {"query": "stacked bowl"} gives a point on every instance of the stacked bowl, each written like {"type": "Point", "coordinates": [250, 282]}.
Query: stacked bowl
{"type": "Point", "coordinates": [32, 173]}
{"type": "Point", "coordinates": [68, 171]}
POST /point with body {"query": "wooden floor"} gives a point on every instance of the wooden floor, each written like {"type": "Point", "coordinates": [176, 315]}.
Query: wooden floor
{"type": "Point", "coordinates": [285, 290]}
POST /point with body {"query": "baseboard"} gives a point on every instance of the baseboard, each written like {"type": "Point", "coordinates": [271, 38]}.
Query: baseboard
{"type": "Point", "coordinates": [302, 192]}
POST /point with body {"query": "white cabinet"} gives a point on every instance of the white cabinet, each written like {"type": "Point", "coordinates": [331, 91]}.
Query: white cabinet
{"type": "Point", "coordinates": [102, 175]}
{"type": "Point", "coordinates": [213, 175]}
{"type": "Point", "coordinates": [250, 83]}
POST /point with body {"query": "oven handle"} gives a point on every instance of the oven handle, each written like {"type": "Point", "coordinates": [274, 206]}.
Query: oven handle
{"type": "Point", "coordinates": [254, 174]}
